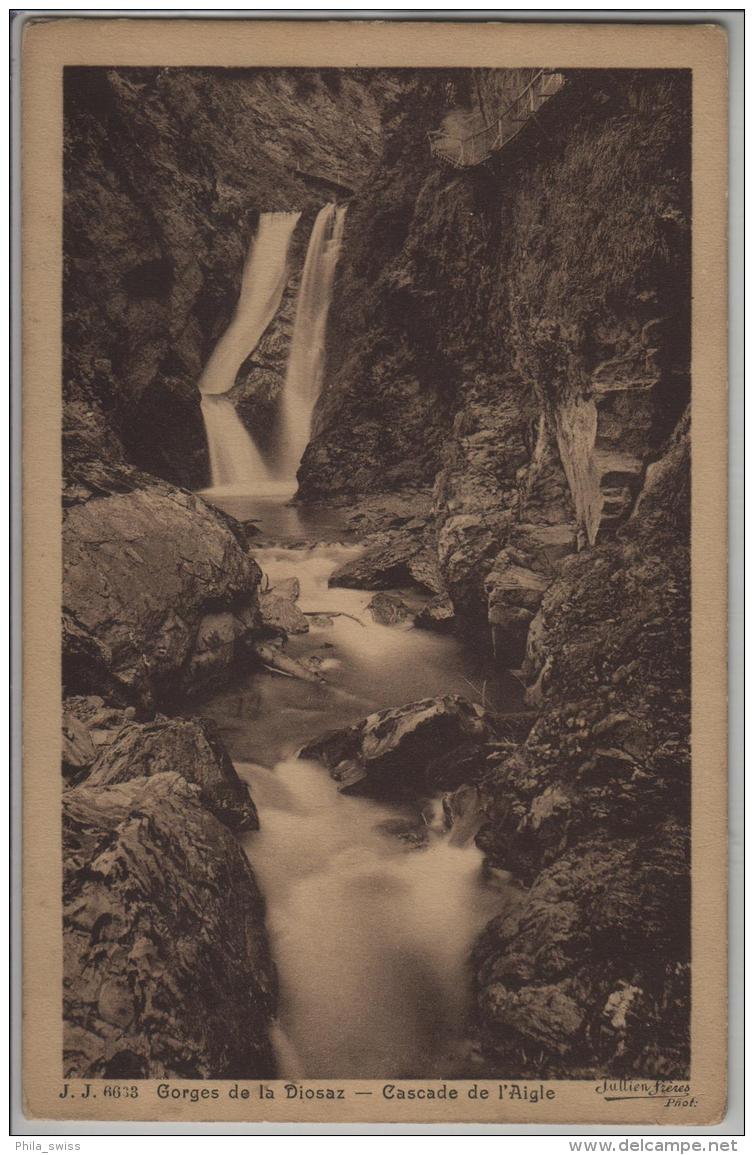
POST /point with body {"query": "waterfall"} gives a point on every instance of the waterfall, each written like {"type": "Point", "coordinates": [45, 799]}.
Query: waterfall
{"type": "Point", "coordinates": [303, 380]}
{"type": "Point", "coordinates": [235, 461]}
{"type": "Point", "coordinates": [371, 940]}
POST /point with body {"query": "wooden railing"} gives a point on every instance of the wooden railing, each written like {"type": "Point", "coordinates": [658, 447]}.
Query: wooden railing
{"type": "Point", "coordinates": [466, 149]}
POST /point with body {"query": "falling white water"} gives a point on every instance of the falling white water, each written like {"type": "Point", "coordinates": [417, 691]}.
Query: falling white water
{"type": "Point", "coordinates": [306, 360]}
{"type": "Point", "coordinates": [262, 285]}
{"type": "Point", "coordinates": [370, 937]}
{"type": "Point", "coordinates": [235, 462]}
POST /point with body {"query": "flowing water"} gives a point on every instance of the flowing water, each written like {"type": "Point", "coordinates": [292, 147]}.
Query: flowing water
{"type": "Point", "coordinates": [370, 934]}
{"type": "Point", "coordinates": [303, 381]}
{"type": "Point", "coordinates": [262, 283]}
{"type": "Point", "coordinates": [235, 461]}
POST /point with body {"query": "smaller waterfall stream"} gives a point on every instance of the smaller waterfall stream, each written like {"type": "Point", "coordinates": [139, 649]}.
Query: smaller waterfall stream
{"type": "Point", "coordinates": [235, 461]}
{"type": "Point", "coordinates": [306, 359]}
{"type": "Point", "coordinates": [371, 937]}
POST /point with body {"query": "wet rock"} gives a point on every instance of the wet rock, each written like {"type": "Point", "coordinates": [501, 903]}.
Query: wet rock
{"type": "Point", "coordinates": [391, 559]}
{"type": "Point", "coordinates": [414, 835]}
{"type": "Point", "coordinates": [580, 971]}
{"type": "Point", "coordinates": [287, 588]}
{"type": "Point", "coordinates": [408, 508]}
{"type": "Point", "coordinates": [141, 572]}
{"type": "Point", "coordinates": [281, 614]}
{"type": "Point", "coordinates": [100, 720]}
{"type": "Point", "coordinates": [509, 628]}
{"type": "Point", "coordinates": [251, 529]}
{"type": "Point", "coordinates": [460, 764]}
{"type": "Point", "coordinates": [167, 972]}
{"type": "Point", "coordinates": [79, 750]}
{"type": "Point", "coordinates": [424, 569]}
{"type": "Point", "coordinates": [170, 224]}
{"type": "Point", "coordinates": [463, 814]}
{"type": "Point", "coordinates": [189, 746]}
{"type": "Point", "coordinates": [398, 751]}
{"type": "Point", "coordinates": [389, 610]}
{"type": "Point", "coordinates": [437, 614]}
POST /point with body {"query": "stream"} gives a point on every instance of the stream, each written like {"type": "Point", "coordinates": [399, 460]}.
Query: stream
{"type": "Point", "coordinates": [372, 907]}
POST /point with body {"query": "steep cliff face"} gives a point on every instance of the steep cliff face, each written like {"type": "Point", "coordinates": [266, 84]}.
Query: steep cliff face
{"type": "Point", "coordinates": [166, 173]}
{"type": "Point", "coordinates": [517, 336]}
{"type": "Point", "coordinates": [524, 323]}
{"type": "Point", "coordinates": [591, 969]}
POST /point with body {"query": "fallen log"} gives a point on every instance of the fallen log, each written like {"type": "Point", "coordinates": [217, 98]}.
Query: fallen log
{"type": "Point", "coordinates": [282, 664]}
{"type": "Point", "coordinates": [333, 614]}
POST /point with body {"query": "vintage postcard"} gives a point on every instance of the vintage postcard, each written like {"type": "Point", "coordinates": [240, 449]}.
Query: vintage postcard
{"type": "Point", "coordinates": [375, 425]}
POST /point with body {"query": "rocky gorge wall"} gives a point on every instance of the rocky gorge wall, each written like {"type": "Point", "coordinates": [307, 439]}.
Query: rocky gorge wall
{"type": "Point", "coordinates": [524, 325]}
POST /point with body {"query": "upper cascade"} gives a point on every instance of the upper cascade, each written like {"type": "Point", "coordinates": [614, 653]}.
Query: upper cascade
{"type": "Point", "coordinates": [262, 285]}
{"type": "Point", "coordinates": [235, 462]}
{"type": "Point", "coordinates": [303, 381]}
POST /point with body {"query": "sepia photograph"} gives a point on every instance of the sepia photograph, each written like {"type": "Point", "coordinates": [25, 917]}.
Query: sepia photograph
{"type": "Point", "coordinates": [376, 512]}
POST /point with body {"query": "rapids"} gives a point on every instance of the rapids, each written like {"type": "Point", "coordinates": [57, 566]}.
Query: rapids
{"type": "Point", "coordinates": [372, 907]}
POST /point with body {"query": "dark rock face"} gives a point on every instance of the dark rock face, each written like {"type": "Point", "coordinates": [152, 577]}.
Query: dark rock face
{"type": "Point", "coordinates": [112, 748]}
{"type": "Point", "coordinates": [166, 965]}
{"type": "Point", "coordinates": [415, 748]}
{"type": "Point", "coordinates": [167, 170]}
{"type": "Point", "coordinates": [530, 346]}
{"type": "Point", "coordinates": [591, 971]}
{"type": "Point", "coordinates": [516, 349]}
{"type": "Point", "coordinates": [159, 594]}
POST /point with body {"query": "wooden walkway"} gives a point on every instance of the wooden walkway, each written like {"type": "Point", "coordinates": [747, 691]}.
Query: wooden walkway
{"type": "Point", "coordinates": [464, 149]}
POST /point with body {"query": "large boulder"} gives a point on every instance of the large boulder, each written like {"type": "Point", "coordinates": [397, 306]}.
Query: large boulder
{"type": "Point", "coordinates": [111, 748]}
{"type": "Point", "coordinates": [391, 558]}
{"type": "Point", "coordinates": [418, 748]}
{"type": "Point", "coordinates": [167, 972]}
{"type": "Point", "coordinates": [159, 594]}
